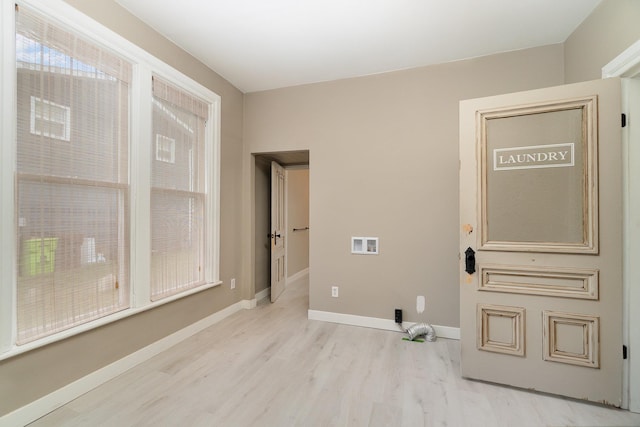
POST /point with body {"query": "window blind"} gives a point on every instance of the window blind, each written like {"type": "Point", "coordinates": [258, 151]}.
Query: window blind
{"type": "Point", "coordinates": [72, 179]}
{"type": "Point", "coordinates": [178, 192]}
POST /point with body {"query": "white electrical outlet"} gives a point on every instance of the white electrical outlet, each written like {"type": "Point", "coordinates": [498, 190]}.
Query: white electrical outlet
{"type": "Point", "coordinates": [334, 291]}
{"type": "Point", "coordinates": [233, 283]}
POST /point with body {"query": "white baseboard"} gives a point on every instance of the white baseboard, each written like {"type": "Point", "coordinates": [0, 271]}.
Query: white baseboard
{"type": "Point", "coordinates": [248, 304]}
{"type": "Point", "coordinates": [38, 408]}
{"type": "Point", "coordinates": [263, 294]}
{"type": "Point", "coordinates": [377, 323]}
{"type": "Point", "coordinates": [299, 275]}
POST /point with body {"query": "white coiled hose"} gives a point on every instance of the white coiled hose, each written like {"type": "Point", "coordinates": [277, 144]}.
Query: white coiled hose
{"type": "Point", "coordinates": [420, 329]}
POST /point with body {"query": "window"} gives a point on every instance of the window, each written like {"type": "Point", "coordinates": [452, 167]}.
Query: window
{"type": "Point", "coordinates": [177, 190]}
{"type": "Point", "coordinates": [97, 177]}
{"type": "Point", "coordinates": [72, 199]}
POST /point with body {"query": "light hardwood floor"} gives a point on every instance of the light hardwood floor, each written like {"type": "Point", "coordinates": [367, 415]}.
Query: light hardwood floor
{"type": "Point", "coordinates": [272, 367]}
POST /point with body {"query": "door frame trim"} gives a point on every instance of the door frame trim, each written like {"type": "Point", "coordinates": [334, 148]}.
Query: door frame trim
{"type": "Point", "coordinates": [627, 66]}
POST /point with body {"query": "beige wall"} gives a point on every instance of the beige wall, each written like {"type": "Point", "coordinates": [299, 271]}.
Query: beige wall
{"type": "Point", "coordinates": [612, 27]}
{"type": "Point", "coordinates": [297, 217]}
{"type": "Point", "coordinates": [384, 152]}
{"type": "Point", "coordinates": [27, 377]}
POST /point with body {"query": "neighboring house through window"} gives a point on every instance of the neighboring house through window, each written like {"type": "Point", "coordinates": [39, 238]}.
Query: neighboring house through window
{"type": "Point", "coordinates": [50, 119]}
{"type": "Point", "coordinates": [165, 149]}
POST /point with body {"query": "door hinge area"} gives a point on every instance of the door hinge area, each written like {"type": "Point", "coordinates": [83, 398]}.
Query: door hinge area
{"type": "Point", "coordinates": [624, 352]}
{"type": "Point", "coordinates": [624, 120]}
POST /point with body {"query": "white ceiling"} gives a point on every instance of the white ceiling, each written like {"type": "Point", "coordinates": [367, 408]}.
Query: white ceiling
{"type": "Point", "coordinates": [267, 44]}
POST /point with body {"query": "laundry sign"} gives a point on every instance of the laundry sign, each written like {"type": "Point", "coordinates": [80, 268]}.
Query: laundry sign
{"type": "Point", "coordinates": [534, 157]}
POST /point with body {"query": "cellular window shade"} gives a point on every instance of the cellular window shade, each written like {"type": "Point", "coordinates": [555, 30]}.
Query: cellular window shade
{"type": "Point", "coordinates": [72, 179]}
{"type": "Point", "coordinates": [177, 190]}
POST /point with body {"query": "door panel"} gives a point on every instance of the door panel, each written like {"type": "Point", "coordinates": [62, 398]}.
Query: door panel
{"type": "Point", "coordinates": [278, 273]}
{"type": "Point", "coordinates": [540, 204]}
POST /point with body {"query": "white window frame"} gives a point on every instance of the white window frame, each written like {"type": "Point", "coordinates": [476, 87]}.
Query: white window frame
{"type": "Point", "coordinates": [145, 65]}
{"type": "Point", "coordinates": [65, 122]}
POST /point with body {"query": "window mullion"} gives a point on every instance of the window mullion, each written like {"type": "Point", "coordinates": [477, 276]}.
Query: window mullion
{"type": "Point", "coordinates": [141, 117]}
{"type": "Point", "coordinates": [212, 189]}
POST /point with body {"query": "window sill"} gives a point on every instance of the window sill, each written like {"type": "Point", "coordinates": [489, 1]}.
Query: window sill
{"type": "Point", "coordinates": [16, 350]}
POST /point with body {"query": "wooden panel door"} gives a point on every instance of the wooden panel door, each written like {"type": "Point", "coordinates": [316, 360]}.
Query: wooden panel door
{"type": "Point", "coordinates": [278, 236]}
{"type": "Point", "coordinates": [541, 215]}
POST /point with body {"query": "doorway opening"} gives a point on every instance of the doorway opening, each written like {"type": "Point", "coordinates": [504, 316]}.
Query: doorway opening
{"type": "Point", "coordinates": [292, 240]}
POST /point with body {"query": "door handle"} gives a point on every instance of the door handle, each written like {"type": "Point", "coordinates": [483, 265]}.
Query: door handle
{"type": "Point", "coordinates": [275, 236]}
{"type": "Point", "coordinates": [470, 261]}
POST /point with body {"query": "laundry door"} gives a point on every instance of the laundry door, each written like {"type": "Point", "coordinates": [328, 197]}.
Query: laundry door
{"type": "Point", "coordinates": [278, 237]}
{"type": "Point", "coordinates": [541, 240]}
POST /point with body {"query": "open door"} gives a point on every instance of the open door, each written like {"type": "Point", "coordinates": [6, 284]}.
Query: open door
{"type": "Point", "coordinates": [540, 241]}
{"type": "Point", "coordinates": [278, 236]}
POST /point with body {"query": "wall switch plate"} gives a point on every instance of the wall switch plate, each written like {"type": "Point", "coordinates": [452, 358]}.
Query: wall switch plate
{"type": "Point", "coordinates": [398, 316]}
{"type": "Point", "coordinates": [233, 283]}
{"type": "Point", "coordinates": [334, 291]}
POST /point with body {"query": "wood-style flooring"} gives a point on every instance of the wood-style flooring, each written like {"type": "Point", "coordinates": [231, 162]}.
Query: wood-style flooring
{"type": "Point", "coordinates": [272, 367]}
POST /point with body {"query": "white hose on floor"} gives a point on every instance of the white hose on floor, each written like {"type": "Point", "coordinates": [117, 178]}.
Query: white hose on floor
{"type": "Point", "coordinates": [420, 329]}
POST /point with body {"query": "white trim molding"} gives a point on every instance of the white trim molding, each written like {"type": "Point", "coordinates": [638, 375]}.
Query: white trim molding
{"type": "Point", "coordinates": [263, 294]}
{"type": "Point", "coordinates": [378, 323]}
{"type": "Point", "coordinates": [628, 62]}
{"type": "Point", "coordinates": [299, 275]}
